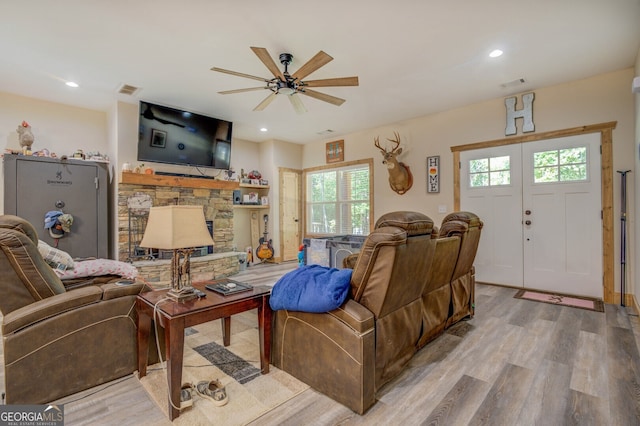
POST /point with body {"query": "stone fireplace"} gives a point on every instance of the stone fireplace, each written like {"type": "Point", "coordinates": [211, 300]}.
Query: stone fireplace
{"type": "Point", "coordinates": [215, 196]}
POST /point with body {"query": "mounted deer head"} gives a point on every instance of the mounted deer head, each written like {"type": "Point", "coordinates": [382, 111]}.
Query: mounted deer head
{"type": "Point", "coordinates": [400, 177]}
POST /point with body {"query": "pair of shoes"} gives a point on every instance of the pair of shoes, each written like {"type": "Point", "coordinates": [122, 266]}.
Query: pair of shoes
{"type": "Point", "coordinates": [214, 391]}
{"type": "Point", "coordinates": [186, 396]}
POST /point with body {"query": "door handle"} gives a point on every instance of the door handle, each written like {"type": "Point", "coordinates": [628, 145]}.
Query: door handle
{"type": "Point", "coordinates": [527, 222]}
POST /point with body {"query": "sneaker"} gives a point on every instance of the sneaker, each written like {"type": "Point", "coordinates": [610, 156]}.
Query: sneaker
{"type": "Point", "coordinates": [213, 391]}
{"type": "Point", "coordinates": [186, 396]}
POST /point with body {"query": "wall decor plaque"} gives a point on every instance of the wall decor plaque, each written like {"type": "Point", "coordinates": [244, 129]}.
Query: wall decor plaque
{"type": "Point", "coordinates": [433, 174]}
{"type": "Point", "coordinates": [335, 151]}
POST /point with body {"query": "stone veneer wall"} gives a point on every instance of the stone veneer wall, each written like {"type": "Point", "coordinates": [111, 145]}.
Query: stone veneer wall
{"type": "Point", "coordinates": [158, 272]}
{"type": "Point", "coordinates": [218, 208]}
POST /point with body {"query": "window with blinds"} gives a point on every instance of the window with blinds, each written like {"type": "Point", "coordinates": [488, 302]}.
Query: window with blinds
{"type": "Point", "coordinates": [338, 200]}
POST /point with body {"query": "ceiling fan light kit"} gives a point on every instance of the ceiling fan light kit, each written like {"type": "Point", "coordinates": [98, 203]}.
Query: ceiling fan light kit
{"type": "Point", "coordinates": [284, 83]}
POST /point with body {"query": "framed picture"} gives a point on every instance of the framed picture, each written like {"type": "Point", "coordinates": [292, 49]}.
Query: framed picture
{"type": "Point", "coordinates": [158, 138]}
{"type": "Point", "coordinates": [335, 151]}
{"type": "Point", "coordinates": [433, 174]}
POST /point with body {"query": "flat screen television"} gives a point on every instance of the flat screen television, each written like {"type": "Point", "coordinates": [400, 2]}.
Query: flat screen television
{"type": "Point", "coordinates": [174, 136]}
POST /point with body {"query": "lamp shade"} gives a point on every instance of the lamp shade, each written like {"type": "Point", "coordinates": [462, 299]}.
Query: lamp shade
{"type": "Point", "coordinates": [176, 227]}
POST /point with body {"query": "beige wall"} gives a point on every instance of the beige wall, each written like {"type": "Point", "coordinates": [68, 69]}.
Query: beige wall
{"type": "Point", "coordinates": [595, 100]}
{"type": "Point", "coordinates": [59, 128]}
{"type": "Point", "coordinates": [634, 279]}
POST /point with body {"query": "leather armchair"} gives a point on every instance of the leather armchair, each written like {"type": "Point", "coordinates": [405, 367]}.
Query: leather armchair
{"type": "Point", "coordinates": [57, 341]}
{"type": "Point", "coordinates": [351, 352]}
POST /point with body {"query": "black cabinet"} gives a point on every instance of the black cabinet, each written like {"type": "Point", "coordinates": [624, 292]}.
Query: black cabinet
{"type": "Point", "coordinates": [34, 186]}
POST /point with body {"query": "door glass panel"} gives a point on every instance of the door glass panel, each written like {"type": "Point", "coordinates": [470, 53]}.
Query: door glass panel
{"type": "Point", "coordinates": [561, 165]}
{"type": "Point", "coordinates": [492, 171]}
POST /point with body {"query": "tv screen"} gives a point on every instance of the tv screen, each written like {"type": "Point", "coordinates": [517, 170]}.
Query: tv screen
{"type": "Point", "coordinates": [169, 135]}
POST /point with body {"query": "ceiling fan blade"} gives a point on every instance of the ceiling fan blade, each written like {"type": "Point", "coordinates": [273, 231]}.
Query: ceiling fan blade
{"type": "Point", "coordinates": [332, 82]}
{"type": "Point", "coordinates": [250, 89]}
{"type": "Point", "coordinates": [312, 64]}
{"type": "Point", "coordinates": [298, 106]}
{"type": "Point", "coordinates": [267, 60]}
{"type": "Point", "coordinates": [239, 74]}
{"type": "Point", "coordinates": [266, 101]}
{"type": "Point", "coordinates": [323, 97]}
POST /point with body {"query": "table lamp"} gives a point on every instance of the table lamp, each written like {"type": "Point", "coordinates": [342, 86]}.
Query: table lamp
{"type": "Point", "coordinates": [177, 228]}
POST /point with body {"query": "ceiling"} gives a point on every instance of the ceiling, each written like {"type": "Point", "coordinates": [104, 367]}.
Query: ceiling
{"type": "Point", "coordinates": [412, 57]}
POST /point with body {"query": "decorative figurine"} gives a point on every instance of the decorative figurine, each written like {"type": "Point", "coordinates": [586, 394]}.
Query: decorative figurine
{"type": "Point", "coordinates": [25, 137]}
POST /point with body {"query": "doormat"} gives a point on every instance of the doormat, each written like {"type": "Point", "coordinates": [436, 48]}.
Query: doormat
{"type": "Point", "coordinates": [559, 299]}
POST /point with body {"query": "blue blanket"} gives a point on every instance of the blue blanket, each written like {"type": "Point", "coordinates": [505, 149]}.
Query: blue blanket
{"type": "Point", "coordinates": [311, 288]}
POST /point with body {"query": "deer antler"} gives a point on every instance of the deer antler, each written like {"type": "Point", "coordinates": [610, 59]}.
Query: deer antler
{"type": "Point", "coordinates": [376, 142]}
{"type": "Point", "coordinates": [396, 141]}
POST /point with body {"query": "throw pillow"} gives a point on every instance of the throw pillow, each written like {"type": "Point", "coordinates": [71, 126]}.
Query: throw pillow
{"type": "Point", "coordinates": [56, 258]}
{"type": "Point", "coordinates": [97, 267]}
{"type": "Point", "coordinates": [311, 288]}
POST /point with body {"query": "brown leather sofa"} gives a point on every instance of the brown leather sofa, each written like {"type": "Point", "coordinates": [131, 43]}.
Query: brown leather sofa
{"type": "Point", "coordinates": [56, 341]}
{"type": "Point", "coordinates": [402, 296]}
{"type": "Point", "coordinates": [468, 227]}
{"type": "Point", "coordinates": [449, 294]}
{"type": "Point", "coordinates": [350, 352]}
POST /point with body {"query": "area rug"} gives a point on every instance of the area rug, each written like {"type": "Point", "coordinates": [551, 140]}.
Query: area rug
{"type": "Point", "coordinates": [563, 300]}
{"type": "Point", "coordinates": [251, 394]}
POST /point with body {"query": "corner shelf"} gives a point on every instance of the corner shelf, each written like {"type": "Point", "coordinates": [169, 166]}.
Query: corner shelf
{"type": "Point", "coordinates": [251, 206]}
{"type": "Point", "coordinates": [249, 185]}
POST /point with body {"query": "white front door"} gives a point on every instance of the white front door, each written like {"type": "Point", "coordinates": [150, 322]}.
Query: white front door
{"type": "Point", "coordinates": [490, 189]}
{"type": "Point", "coordinates": [541, 206]}
{"type": "Point", "coordinates": [562, 215]}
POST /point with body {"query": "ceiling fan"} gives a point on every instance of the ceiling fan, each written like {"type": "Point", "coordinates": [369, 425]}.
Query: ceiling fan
{"type": "Point", "coordinates": [291, 85]}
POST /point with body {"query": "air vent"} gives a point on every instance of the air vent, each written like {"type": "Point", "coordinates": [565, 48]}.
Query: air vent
{"type": "Point", "coordinates": [513, 83]}
{"type": "Point", "coordinates": [326, 132]}
{"type": "Point", "coordinates": [127, 89]}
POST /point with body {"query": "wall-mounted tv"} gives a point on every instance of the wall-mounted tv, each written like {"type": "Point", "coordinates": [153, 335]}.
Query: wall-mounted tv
{"type": "Point", "coordinates": [174, 136]}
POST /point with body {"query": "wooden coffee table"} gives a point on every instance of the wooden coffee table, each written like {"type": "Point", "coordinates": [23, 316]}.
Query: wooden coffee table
{"type": "Point", "coordinates": [174, 317]}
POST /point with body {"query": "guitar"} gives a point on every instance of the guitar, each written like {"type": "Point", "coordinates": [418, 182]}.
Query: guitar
{"type": "Point", "coordinates": [265, 250]}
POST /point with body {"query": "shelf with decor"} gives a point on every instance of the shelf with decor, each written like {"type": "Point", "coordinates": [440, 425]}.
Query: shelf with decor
{"type": "Point", "coordinates": [251, 196]}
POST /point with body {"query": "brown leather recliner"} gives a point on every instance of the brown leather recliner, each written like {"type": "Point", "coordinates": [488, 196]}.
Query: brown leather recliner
{"type": "Point", "coordinates": [58, 342]}
{"type": "Point", "coordinates": [436, 295]}
{"type": "Point", "coordinates": [351, 352]}
{"type": "Point", "coordinates": [468, 226]}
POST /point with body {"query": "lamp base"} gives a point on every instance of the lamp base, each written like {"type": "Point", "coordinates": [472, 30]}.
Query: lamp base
{"type": "Point", "coordinates": [183, 295]}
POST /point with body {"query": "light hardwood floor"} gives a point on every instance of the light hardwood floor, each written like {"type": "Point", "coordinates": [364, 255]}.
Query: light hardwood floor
{"type": "Point", "coordinates": [516, 362]}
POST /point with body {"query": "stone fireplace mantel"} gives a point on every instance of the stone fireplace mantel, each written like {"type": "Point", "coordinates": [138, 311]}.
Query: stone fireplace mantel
{"type": "Point", "coordinates": [176, 181]}
{"type": "Point", "coordinates": [216, 198]}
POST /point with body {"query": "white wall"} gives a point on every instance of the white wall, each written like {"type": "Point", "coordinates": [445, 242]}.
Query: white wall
{"type": "Point", "coordinates": [598, 99]}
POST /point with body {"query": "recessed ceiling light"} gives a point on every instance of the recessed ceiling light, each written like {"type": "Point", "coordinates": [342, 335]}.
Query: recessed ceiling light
{"type": "Point", "coordinates": [496, 53]}
{"type": "Point", "coordinates": [263, 129]}
{"type": "Point", "coordinates": [71, 84]}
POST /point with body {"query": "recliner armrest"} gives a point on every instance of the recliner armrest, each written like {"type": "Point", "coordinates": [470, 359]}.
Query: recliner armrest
{"type": "Point", "coordinates": [50, 307]}
{"type": "Point", "coordinates": [356, 316]}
